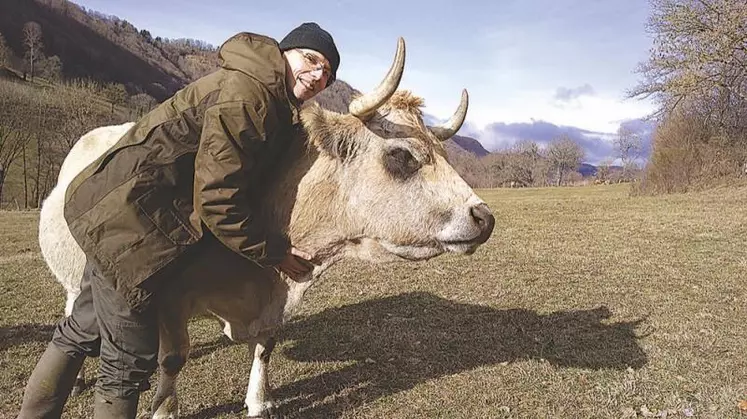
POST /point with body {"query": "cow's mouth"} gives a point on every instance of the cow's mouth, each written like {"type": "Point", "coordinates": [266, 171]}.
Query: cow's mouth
{"type": "Point", "coordinates": [472, 243]}
{"type": "Point", "coordinates": [413, 252]}
{"type": "Point", "coordinates": [462, 246]}
{"type": "Point", "coordinates": [427, 250]}
{"type": "Point", "coordinates": [381, 250]}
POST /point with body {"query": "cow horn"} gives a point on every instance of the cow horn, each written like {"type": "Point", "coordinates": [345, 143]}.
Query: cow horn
{"type": "Point", "coordinates": [366, 104]}
{"type": "Point", "coordinates": [450, 127]}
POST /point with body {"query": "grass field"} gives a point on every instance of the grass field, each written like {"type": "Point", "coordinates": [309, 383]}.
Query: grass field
{"type": "Point", "coordinates": [585, 303]}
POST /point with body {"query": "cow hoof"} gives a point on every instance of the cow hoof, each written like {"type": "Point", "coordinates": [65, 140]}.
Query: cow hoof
{"type": "Point", "coordinates": [267, 415]}
{"type": "Point", "coordinates": [167, 408]}
{"type": "Point", "coordinates": [165, 415]}
{"type": "Point", "coordinates": [78, 388]}
{"type": "Point", "coordinates": [269, 412]}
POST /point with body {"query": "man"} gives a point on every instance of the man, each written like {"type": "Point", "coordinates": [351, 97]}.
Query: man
{"type": "Point", "coordinates": [188, 171]}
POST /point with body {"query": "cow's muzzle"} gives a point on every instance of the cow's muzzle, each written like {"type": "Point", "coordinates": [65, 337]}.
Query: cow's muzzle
{"type": "Point", "coordinates": [483, 217]}
{"type": "Point", "coordinates": [481, 224]}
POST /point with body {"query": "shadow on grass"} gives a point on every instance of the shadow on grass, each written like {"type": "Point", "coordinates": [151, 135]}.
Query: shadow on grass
{"type": "Point", "coordinates": [25, 333]}
{"type": "Point", "coordinates": [206, 348]}
{"type": "Point", "coordinates": [404, 340]}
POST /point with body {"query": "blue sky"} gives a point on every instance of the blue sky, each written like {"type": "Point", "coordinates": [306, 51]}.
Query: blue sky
{"type": "Point", "coordinates": [532, 67]}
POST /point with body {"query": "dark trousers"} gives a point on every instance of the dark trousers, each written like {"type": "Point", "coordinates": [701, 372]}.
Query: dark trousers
{"type": "Point", "coordinates": [102, 324]}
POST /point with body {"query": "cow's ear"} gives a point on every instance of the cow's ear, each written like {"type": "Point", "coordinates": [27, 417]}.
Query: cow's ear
{"type": "Point", "coordinates": [332, 133]}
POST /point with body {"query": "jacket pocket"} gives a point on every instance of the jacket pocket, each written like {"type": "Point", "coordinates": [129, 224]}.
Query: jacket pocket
{"type": "Point", "coordinates": [119, 233]}
{"type": "Point", "coordinates": [139, 240]}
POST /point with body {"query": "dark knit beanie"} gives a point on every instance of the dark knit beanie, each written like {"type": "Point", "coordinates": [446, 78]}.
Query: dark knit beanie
{"type": "Point", "coordinates": [310, 35]}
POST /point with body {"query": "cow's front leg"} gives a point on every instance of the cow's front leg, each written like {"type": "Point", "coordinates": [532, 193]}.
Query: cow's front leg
{"type": "Point", "coordinates": [259, 402]}
{"type": "Point", "coordinates": [173, 351]}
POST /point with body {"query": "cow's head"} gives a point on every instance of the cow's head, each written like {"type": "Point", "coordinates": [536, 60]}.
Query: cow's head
{"type": "Point", "coordinates": [381, 185]}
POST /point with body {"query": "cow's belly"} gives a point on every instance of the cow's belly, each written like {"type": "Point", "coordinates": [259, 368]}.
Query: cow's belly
{"type": "Point", "coordinates": [218, 281]}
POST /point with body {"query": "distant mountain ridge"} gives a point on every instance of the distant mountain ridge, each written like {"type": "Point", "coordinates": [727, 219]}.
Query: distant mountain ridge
{"type": "Point", "coordinates": [470, 144]}
{"type": "Point", "coordinates": [106, 48]}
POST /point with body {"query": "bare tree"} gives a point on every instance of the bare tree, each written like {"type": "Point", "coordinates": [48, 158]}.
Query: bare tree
{"type": "Point", "coordinates": [43, 119]}
{"type": "Point", "coordinates": [523, 164]}
{"type": "Point", "coordinates": [603, 171]}
{"type": "Point", "coordinates": [116, 93]}
{"type": "Point", "coordinates": [699, 58]}
{"type": "Point", "coordinates": [4, 51]}
{"type": "Point", "coordinates": [51, 68]}
{"type": "Point", "coordinates": [470, 167]}
{"type": "Point", "coordinates": [24, 166]}
{"type": "Point", "coordinates": [79, 102]}
{"type": "Point", "coordinates": [13, 121]}
{"type": "Point", "coordinates": [564, 156]}
{"type": "Point", "coordinates": [520, 165]}
{"type": "Point", "coordinates": [40, 125]}
{"type": "Point", "coordinates": [142, 103]}
{"type": "Point", "coordinates": [32, 40]}
{"type": "Point", "coordinates": [534, 161]}
{"type": "Point", "coordinates": [12, 144]}
{"type": "Point", "coordinates": [628, 146]}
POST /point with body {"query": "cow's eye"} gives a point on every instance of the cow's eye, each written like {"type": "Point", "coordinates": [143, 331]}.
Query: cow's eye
{"type": "Point", "coordinates": [400, 163]}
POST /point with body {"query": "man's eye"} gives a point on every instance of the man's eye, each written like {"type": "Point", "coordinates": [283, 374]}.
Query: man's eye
{"type": "Point", "coordinates": [314, 62]}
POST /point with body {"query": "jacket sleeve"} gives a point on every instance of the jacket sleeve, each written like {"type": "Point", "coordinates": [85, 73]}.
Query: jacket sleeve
{"type": "Point", "coordinates": [233, 132]}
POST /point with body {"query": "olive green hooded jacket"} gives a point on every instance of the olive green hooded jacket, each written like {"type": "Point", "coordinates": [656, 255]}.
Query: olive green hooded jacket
{"type": "Point", "coordinates": [192, 166]}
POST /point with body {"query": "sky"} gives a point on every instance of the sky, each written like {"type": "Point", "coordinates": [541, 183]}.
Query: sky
{"type": "Point", "coordinates": [533, 68]}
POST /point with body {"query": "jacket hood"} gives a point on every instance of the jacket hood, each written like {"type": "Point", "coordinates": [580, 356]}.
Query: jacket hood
{"type": "Point", "coordinates": [257, 56]}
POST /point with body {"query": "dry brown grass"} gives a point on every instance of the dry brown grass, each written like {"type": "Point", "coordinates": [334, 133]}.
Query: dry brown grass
{"type": "Point", "coordinates": [586, 303]}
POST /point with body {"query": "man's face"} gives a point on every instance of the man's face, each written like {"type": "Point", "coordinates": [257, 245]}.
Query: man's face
{"type": "Point", "coordinates": [309, 72]}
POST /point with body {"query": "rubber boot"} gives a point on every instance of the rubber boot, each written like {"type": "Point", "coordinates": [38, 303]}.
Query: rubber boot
{"type": "Point", "coordinates": [115, 408]}
{"type": "Point", "coordinates": [50, 384]}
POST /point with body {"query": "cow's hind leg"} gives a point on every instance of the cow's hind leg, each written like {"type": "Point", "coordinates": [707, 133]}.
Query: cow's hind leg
{"type": "Point", "coordinates": [259, 402]}
{"type": "Point", "coordinates": [173, 352]}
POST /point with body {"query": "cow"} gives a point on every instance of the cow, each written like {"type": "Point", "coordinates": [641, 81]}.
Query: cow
{"type": "Point", "coordinates": [372, 184]}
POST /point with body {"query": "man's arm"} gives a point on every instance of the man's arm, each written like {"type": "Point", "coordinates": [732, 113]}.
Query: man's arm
{"type": "Point", "coordinates": [226, 160]}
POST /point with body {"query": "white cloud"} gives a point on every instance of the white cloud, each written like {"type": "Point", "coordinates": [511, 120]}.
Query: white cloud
{"type": "Point", "coordinates": [569, 96]}
{"type": "Point", "coordinates": [593, 113]}
{"type": "Point", "coordinates": [505, 93]}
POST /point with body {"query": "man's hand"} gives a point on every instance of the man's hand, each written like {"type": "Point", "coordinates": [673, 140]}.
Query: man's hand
{"type": "Point", "coordinates": [296, 264]}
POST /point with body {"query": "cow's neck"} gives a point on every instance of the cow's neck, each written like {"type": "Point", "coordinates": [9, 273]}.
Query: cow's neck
{"type": "Point", "coordinates": [306, 202]}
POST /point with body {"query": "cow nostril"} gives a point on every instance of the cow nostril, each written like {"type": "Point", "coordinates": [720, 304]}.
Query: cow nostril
{"type": "Point", "coordinates": [477, 216]}
{"type": "Point", "coordinates": [482, 216]}
{"type": "Point", "coordinates": [479, 213]}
